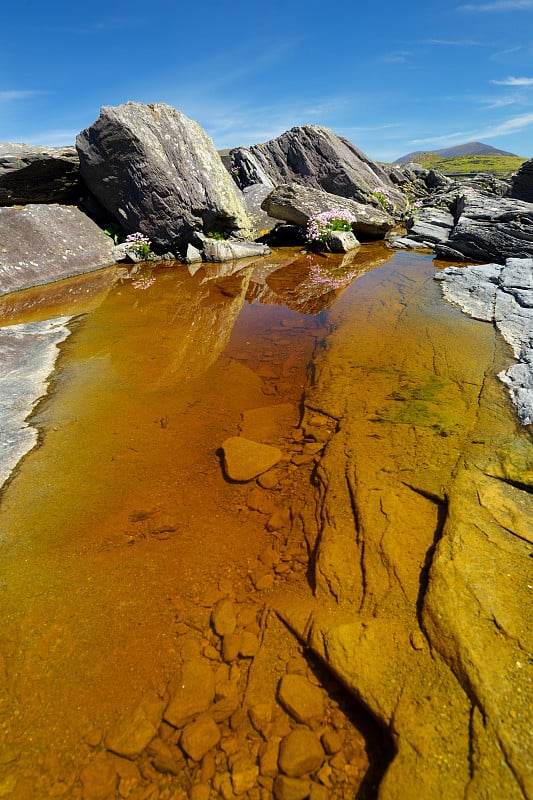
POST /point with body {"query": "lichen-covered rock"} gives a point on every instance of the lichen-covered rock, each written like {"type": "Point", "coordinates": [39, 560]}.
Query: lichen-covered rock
{"type": "Point", "coordinates": [35, 174]}
{"type": "Point", "coordinates": [294, 203]}
{"type": "Point", "coordinates": [45, 243]}
{"type": "Point", "coordinates": [156, 171]}
{"type": "Point", "coordinates": [316, 157]}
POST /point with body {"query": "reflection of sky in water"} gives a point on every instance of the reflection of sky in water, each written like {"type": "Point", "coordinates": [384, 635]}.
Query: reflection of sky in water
{"type": "Point", "coordinates": [27, 356]}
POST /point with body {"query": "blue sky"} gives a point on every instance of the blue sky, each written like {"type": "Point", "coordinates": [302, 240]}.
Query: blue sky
{"type": "Point", "coordinates": [392, 77]}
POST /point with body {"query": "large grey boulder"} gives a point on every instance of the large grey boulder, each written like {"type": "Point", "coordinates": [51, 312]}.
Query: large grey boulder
{"type": "Point", "coordinates": [35, 174]}
{"type": "Point", "coordinates": [45, 243]}
{"type": "Point", "coordinates": [156, 171]}
{"type": "Point", "coordinates": [522, 185]}
{"type": "Point", "coordinates": [295, 203]}
{"type": "Point", "coordinates": [316, 157]}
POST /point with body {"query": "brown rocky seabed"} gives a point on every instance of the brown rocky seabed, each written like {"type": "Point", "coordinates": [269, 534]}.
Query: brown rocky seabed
{"type": "Point", "coordinates": [141, 655]}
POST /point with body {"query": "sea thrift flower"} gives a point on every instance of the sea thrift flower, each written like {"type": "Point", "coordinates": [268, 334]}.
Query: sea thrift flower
{"type": "Point", "coordinates": [139, 245]}
{"type": "Point", "coordinates": [320, 226]}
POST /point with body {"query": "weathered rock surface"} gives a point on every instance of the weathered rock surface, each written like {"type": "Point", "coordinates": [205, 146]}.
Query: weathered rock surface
{"type": "Point", "coordinates": [490, 228]}
{"type": "Point", "coordinates": [415, 180]}
{"type": "Point", "coordinates": [522, 184]}
{"type": "Point", "coordinates": [295, 203]}
{"type": "Point", "coordinates": [28, 352]}
{"type": "Point", "coordinates": [229, 250]}
{"type": "Point", "coordinates": [502, 295]}
{"type": "Point", "coordinates": [342, 242]}
{"type": "Point", "coordinates": [34, 174]}
{"type": "Point", "coordinates": [245, 459]}
{"type": "Point", "coordinates": [421, 559]}
{"type": "Point", "coordinates": [431, 226]}
{"type": "Point", "coordinates": [156, 171]}
{"type": "Point", "coordinates": [45, 243]}
{"type": "Point", "coordinates": [316, 157]}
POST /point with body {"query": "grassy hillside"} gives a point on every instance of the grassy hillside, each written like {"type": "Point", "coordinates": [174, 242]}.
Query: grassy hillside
{"type": "Point", "coordinates": [467, 164]}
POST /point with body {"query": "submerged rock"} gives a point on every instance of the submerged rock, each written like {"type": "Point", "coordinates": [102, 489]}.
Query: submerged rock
{"type": "Point", "coordinates": [421, 559]}
{"type": "Point", "coordinates": [245, 459]}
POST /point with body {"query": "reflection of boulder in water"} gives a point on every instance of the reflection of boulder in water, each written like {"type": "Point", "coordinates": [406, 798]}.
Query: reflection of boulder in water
{"type": "Point", "coordinates": [311, 282]}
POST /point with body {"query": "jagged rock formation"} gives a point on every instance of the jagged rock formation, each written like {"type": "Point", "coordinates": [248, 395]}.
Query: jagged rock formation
{"type": "Point", "coordinates": [156, 171]}
{"type": "Point", "coordinates": [46, 243]}
{"type": "Point", "coordinates": [522, 185]}
{"type": "Point", "coordinates": [415, 180]}
{"type": "Point", "coordinates": [296, 204]}
{"type": "Point", "coordinates": [490, 229]}
{"type": "Point", "coordinates": [31, 174]}
{"type": "Point", "coordinates": [317, 158]}
{"type": "Point", "coordinates": [467, 222]}
{"type": "Point", "coordinates": [421, 557]}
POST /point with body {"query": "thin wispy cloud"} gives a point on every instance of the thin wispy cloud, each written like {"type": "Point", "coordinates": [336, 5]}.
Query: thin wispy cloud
{"type": "Point", "coordinates": [510, 81]}
{"type": "Point", "coordinates": [498, 5]}
{"type": "Point", "coordinates": [512, 125]}
{"type": "Point", "coordinates": [397, 57]}
{"type": "Point", "coordinates": [501, 102]}
{"type": "Point", "coordinates": [454, 42]}
{"type": "Point", "coordinates": [17, 94]}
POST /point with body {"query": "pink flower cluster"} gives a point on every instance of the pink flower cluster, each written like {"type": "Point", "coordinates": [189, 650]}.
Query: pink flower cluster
{"type": "Point", "coordinates": [321, 225]}
{"type": "Point", "coordinates": [138, 238]}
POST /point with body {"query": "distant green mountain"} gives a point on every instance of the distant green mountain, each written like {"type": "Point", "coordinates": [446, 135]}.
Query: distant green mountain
{"type": "Point", "coordinates": [468, 149]}
{"type": "Point", "coordinates": [468, 165]}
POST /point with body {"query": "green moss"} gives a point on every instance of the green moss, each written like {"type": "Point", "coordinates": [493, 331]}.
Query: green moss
{"type": "Point", "coordinates": [425, 402]}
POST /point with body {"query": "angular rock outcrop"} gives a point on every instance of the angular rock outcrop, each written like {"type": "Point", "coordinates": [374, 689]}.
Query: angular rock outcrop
{"type": "Point", "coordinates": [316, 157]}
{"type": "Point", "coordinates": [46, 243]}
{"type": "Point", "coordinates": [522, 184]}
{"type": "Point", "coordinates": [415, 180]}
{"type": "Point", "coordinates": [34, 174]}
{"type": "Point", "coordinates": [156, 171]}
{"type": "Point", "coordinates": [490, 228]}
{"type": "Point", "coordinates": [295, 203]}
{"type": "Point", "coordinates": [502, 295]}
